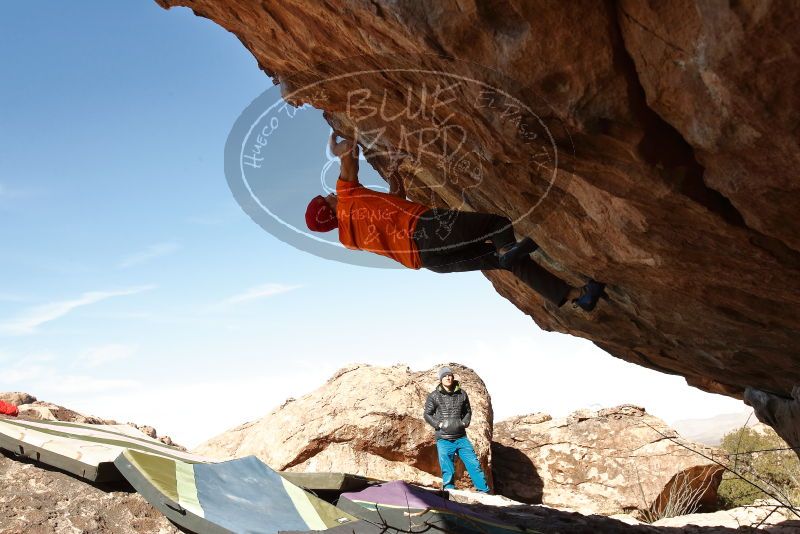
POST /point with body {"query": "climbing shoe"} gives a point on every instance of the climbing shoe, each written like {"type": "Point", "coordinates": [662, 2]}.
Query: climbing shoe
{"type": "Point", "coordinates": [590, 294]}
{"type": "Point", "coordinates": [522, 248]}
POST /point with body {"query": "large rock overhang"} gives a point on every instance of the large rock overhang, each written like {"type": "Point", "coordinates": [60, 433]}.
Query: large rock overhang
{"type": "Point", "coordinates": [676, 130]}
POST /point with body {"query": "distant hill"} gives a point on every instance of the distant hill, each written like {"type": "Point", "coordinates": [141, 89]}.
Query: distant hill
{"type": "Point", "coordinates": [709, 431]}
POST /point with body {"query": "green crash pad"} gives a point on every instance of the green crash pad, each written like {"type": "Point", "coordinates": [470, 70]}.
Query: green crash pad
{"type": "Point", "coordinates": [241, 495]}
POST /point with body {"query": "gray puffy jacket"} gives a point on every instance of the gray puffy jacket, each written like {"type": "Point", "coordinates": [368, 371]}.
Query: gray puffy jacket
{"type": "Point", "coordinates": [451, 409]}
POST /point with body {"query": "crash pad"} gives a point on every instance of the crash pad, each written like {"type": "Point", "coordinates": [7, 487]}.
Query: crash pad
{"type": "Point", "coordinates": [241, 495]}
{"type": "Point", "coordinates": [85, 450]}
{"type": "Point", "coordinates": [409, 508]}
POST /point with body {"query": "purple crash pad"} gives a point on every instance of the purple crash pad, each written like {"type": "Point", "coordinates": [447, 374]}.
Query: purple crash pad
{"type": "Point", "coordinates": [404, 495]}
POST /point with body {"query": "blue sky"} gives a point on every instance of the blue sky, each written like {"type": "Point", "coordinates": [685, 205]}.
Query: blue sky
{"type": "Point", "coordinates": [132, 285]}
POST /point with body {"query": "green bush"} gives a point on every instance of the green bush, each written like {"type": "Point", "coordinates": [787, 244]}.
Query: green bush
{"type": "Point", "coordinates": [778, 472]}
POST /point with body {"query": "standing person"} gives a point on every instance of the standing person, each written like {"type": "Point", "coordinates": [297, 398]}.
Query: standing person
{"type": "Point", "coordinates": [448, 411]}
{"type": "Point", "coordinates": [440, 240]}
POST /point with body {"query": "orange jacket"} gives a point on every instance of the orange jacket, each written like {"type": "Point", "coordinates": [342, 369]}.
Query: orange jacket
{"type": "Point", "coordinates": [378, 222]}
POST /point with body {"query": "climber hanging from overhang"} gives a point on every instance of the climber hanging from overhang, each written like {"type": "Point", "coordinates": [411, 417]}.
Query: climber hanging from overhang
{"type": "Point", "coordinates": [443, 241]}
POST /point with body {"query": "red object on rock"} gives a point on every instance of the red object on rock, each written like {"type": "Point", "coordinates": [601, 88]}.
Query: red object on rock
{"type": "Point", "coordinates": [8, 409]}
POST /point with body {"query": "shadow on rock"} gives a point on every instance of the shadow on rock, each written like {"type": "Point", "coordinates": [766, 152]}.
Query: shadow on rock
{"type": "Point", "coordinates": [515, 475]}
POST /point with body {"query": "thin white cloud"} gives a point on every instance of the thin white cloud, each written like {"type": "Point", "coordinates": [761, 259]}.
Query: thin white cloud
{"type": "Point", "coordinates": [10, 297]}
{"type": "Point", "coordinates": [27, 374]}
{"type": "Point", "coordinates": [82, 384]}
{"type": "Point", "coordinates": [29, 320]}
{"type": "Point", "coordinates": [171, 408]}
{"type": "Point", "coordinates": [259, 292]}
{"type": "Point", "coordinates": [104, 354]}
{"type": "Point", "coordinates": [150, 253]}
{"type": "Point", "coordinates": [39, 379]}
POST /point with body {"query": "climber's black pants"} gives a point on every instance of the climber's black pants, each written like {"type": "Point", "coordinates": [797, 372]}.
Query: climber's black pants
{"type": "Point", "coordinates": [452, 241]}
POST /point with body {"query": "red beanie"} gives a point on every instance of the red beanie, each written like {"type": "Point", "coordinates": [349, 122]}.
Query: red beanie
{"type": "Point", "coordinates": [320, 217]}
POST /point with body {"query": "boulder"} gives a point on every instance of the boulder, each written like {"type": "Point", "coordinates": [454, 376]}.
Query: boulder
{"type": "Point", "coordinates": [151, 432]}
{"type": "Point", "coordinates": [31, 408]}
{"type": "Point", "coordinates": [649, 145]}
{"type": "Point", "coordinates": [763, 513]}
{"type": "Point", "coordinates": [17, 398]}
{"type": "Point", "coordinates": [781, 413]}
{"type": "Point", "coordinates": [365, 420]}
{"type": "Point", "coordinates": [53, 412]}
{"type": "Point", "coordinates": [612, 461]}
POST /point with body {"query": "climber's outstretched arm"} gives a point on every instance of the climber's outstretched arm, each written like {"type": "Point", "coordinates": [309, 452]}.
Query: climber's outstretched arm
{"type": "Point", "coordinates": [348, 152]}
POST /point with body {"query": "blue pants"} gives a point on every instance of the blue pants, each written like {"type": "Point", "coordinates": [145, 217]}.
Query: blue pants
{"type": "Point", "coordinates": [447, 451]}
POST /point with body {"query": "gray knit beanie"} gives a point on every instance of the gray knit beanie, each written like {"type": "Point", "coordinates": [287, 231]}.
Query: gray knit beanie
{"type": "Point", "coordinates": [444, 371]}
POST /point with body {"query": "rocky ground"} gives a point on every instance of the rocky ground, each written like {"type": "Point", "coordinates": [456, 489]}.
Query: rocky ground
{"type": "Point", "coordinates": [594, 470]}
{"type": "Point", "coordinates": [553, 520]}
{"type": "Point", "coordinates": [38, 500]}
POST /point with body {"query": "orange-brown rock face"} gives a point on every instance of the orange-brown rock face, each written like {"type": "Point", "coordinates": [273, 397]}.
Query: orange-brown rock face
{"type": "Point", "coordinates": [653, 146]}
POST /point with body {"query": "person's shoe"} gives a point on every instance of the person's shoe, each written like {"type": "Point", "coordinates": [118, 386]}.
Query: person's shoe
{"type": "Point", "coordinates": [522, 248]}
{"type": "Point", "coordinates": [590, 294]}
